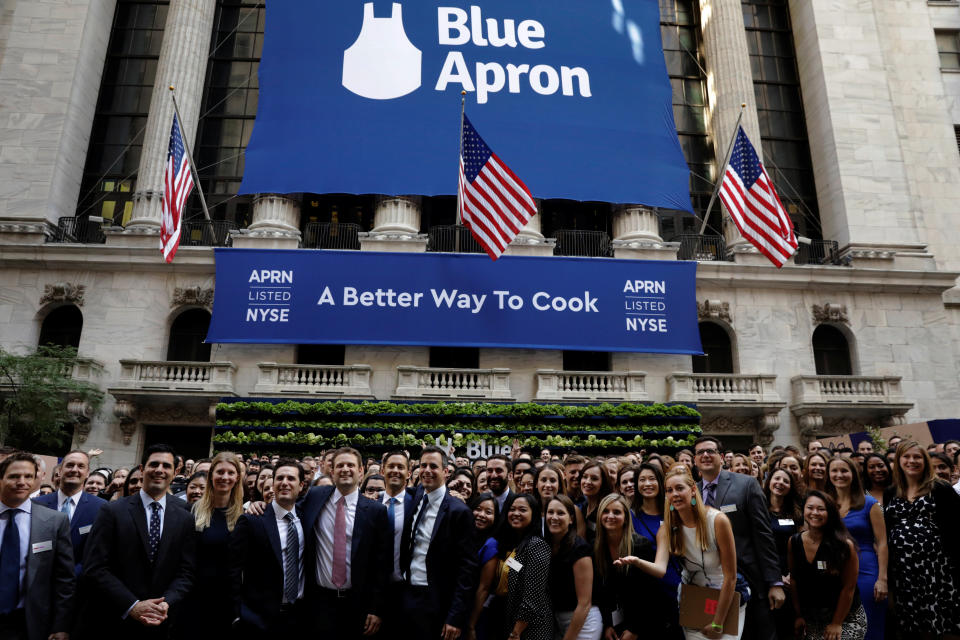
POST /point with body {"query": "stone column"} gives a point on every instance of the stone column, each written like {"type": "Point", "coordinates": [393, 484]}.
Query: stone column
{"type": "Point", "coordinates": [276, 223]}
{"type": "Point", "coordinates": [183, 64]}
{"type": "Point", "coordinates": [636, 234]}
{"type": "Point", "coordinates": [729, 84]}
{"type": "Point", "coordinates": [396, 226]}
{"type": "Point", "coordinates": [530, 240]}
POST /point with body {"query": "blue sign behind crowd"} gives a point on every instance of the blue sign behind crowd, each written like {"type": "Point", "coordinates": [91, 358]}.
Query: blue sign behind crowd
{"type": "Point", "coordinates": [360, 297]}
{"type": "Point", "coordinates": [364, 97]}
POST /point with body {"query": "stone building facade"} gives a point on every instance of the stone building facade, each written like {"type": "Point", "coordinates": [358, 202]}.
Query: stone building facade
{"type": "Point", "coordinates": [865, 331]}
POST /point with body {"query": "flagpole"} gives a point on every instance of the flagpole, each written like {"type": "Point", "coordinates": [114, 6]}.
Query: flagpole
{"type": "Point", "coordinates": [456, 226]}
{"type": "Point", "coordinates": [186, 148]}
{"type": "Point", "coordinates": [723, 171]}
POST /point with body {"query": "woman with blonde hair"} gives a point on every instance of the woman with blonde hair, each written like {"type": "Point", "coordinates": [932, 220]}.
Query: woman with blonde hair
{"type": "Point", "coordinates": [702, 538]}
{"type": "Point", "coordinates": [209, 609]}
{"type": "Point", "coordinates": [631, 602]}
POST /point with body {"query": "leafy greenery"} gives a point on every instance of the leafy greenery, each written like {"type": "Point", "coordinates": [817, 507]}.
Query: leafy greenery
{"type": "Point", "coordinates": [34, 392]}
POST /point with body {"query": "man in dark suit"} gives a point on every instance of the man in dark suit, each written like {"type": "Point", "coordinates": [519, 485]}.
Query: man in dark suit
{"type": "Point", "coordinates": [740, 497]}
{"type": "Point", "coordinates": [37, 581]}
{"type": "Point", "coordinates": [499, 468]}
{"type": "Point", "coordinates": [78, 505]}
{"type": "Point", "coordinates": [439, 560]}
{"type": "Point", "coordinates": [268, 568]}
{"type": "Point", "coordinates": [348, 552]}
{"type": "Point", "coordinates": [399, 501]}
{"type": "Point", "coordinates": [140, 557]}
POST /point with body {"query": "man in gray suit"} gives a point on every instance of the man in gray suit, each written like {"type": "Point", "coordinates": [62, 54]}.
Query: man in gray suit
{"type": "Point", "coordinates": [741, 498]}
{"type": "Point", "coordinates": [37, 580]}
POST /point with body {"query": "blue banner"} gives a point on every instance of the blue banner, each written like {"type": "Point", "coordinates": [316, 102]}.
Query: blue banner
{"type": "Point", "coordinates": [364, 97]}
{"type": "Point", "coordinates": [306, 296]}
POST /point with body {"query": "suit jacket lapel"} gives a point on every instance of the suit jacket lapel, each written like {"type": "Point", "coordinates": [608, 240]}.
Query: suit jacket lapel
{"type": "Point", "coordinates": [444, 507]}
{"type": "Point", "coordinates": [39, 532]}
{"type": "Point", "coordinates": [139, 517]}
{"type": "Point", "coordinates": [172, 518]}
{"type": "Point", "coordinates": [359, 529]}
{"type": "Point", "coordinates": [723, 485]}
{"type": "Point", "coordinates": [273, 532]}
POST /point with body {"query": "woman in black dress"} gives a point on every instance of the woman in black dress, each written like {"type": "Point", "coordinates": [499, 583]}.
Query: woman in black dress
{"type": "Point", "coordinates": [571, 574]}
{"type": "Point", "coordinates": [595, 486]}
{"type": "Point", "coordinates": [528, 614]}
{"type": "Point", "coordinates": [922, 516]}
{"type": "Point", "coordinates": [783, 505]}
{"type": "Point", "coordinates": [209, 610]}
{"type": "Point", "coordinates": [823, 568]}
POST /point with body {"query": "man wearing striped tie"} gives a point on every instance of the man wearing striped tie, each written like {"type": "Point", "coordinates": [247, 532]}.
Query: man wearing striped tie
{"type": "Point", "coordinates": [268, 568]}
{"type": "Point", "coordinates": [79, 506]}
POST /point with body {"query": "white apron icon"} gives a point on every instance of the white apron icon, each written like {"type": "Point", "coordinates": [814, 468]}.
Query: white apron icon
{"type": "Point", "coordinates": [382, 64]}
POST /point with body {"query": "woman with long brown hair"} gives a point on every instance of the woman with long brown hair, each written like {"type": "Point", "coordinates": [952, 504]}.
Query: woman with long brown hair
{"type": "Point", "coordinates": [595, 486]}
{"type": "Point", "coordinates": [209, 608]}
{"type": "Point", "coordinates": [815, 471]}
{"type": "Point", "coordinates": [922, 516]}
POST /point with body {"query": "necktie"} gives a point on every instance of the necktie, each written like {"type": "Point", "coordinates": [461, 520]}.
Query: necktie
{"type": "Point", "coordinates": [709, 490]}
{"type": "Point", "coordinates": [424, 503]}
{"type": "Point", "coordinates": [339, 576]}
{"type": "Point", "coordinates": [291, 562]}
{"type": "Point", "coordinates": [67, 508]}
{"type": "Point", "coordinates": [10, 565]}
{"type": "Point", "coordinates": [154, 530]}
{"type": "Point", "coordinates": [392, 513]}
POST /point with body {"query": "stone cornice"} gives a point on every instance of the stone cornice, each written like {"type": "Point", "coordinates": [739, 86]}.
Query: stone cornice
{"type": "Point", "coordinates": [709, 274]}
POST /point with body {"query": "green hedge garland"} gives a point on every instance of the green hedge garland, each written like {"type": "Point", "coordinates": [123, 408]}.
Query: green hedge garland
{"type": "Point", "coordinates": [310, 426]}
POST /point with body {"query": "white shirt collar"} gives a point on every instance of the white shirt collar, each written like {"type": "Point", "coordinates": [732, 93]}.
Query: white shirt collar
{"type": "Point", "coordinates": [62, 498]}
{"type": "Point", "coordinates": [147, 500]}
{"type": "Point", "coordinates": [281, 513]}
{"type": "Point", "coordinates": [351, 497]}
{"type": "Point", "coordinates": [25, 507]}
{"type": "Point", "coordinates": [435, 496]}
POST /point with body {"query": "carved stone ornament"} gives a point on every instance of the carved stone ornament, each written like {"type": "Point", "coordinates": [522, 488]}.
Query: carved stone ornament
{"type": "Point", "coordinates": [126, 411]}
{"type": "Point", "coordinates": [179, 415]}
{"type": "Point", "coordinates": [63, 292]}
{"type": "Point", "coordinates": [192, 296]}
{"type": "Point", "coordinates": [713, 309]}
{"type": "Point", "coordinates": [767, 424]}
{"type": "Point", "coordinates": [81, 412]}
{"type": "Point", "coordinates": [809, 424]}
{"type": "Point", "coordinates": [723, 424]}
{"type": "Point", "coordinates": [830, 313]}
{"type": "Point", "coordinates": [844, 426]}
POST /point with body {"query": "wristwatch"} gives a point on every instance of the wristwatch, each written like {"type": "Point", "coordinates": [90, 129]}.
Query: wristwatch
{"type": "Point", "coordinates": [716, 627]}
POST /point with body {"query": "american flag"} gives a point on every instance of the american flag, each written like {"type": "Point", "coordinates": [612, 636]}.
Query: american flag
{"type": "Point", "coordinates": [177, 185]}
{"type": "Point", "coordinates": [494, 202]}
{"type": "Point", "coordinates": [752, 202]}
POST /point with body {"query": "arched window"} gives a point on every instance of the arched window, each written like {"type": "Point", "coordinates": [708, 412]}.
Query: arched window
{"type": "Point", "coordinates": [718, 352]}
{"type": "Point", "coordinates": [831, 352]}
{"type": "Point", "coordinates": [62, 327]}
{"type": "Point", "coordinates": [186, 337]}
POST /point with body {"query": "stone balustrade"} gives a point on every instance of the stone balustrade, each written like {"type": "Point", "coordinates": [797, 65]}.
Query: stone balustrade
{"type": "Point", "coordinates": [722, 387]}
{"type": "Point", "coordinates": [846, 389]}
{"type": "Point", "coordinates": [149, 375]}
{"type": "Point", "coordinates": [437, 382]}
{"type": "Point", "coordinates": [591, 385]}
{"type": "Point", "coordinates": [312, 380]}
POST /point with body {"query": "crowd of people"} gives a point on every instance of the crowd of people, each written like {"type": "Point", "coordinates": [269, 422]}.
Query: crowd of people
{"type": "Point", "coordinates": [701, 543]}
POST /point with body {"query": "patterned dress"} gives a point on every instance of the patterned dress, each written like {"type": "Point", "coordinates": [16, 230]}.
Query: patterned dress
{"type": "Point", "coordinates": [529, 591]}
{"type": "Point", "coordinates": [923, 581]}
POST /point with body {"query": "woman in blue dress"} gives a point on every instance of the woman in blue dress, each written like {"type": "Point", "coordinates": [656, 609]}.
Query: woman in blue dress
{"type": "Point", "coordinates": [646, 512]}
{"type": "Point", "coordinates": [863, 516]}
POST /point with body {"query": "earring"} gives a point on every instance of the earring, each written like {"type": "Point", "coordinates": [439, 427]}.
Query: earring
{"type": "Point", "coordinates": [693, 502]}
{"type": "Point", "coordinates": [671, 507]}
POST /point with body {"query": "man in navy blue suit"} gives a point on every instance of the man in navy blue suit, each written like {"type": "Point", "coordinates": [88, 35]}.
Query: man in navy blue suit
{"type": "Point", "coordinates": [399, 501]}
{"type": "Point", "coordinates": [439, 560]}
{"type": "Point", "coordinates": [78, 505]}
{"type": "Point", "coordinates": [348, 552]}
{"type": "Point", "coordinates": [268, 561]}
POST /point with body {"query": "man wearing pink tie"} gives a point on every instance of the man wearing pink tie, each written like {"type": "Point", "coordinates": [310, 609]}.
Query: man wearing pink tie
{"type": "Point", "coordinates": [348, 553]}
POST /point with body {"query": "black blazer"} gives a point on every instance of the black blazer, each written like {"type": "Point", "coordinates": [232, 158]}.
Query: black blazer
{"type": "Point", "coordinates": [256, 570]}
{"type": "Point", "coordinates": [451, 559]}
{"type": "Point", "coordinates": [88, 507]}
{"type": "Point", "coordinates": [117, 566]}
{"type": "Point", "coordinates": [740, 497]}
{"type": "Point", "coordinates": [371, 547]}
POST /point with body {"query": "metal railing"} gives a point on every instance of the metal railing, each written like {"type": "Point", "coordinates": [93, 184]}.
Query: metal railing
{"type": "Point", "coordinates": [332, 235]}
{"type": "Point", "coordinates": [443, 239]}
{"type": "Point", "coordinates": [818, 252]}
{"type": "Point", "coordinates": [702, 248]}
{"type": "Point", "coordinates": [586, 244]}
{"type": "Point", "coordinates": [80, 230]}
{"type": "Point", "coordinates": [207, 233]}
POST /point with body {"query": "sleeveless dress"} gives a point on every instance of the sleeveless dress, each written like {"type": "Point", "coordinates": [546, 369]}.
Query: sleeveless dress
{"type": "Point", "coordinates": [818, 590]}
{"type": "Point", "coordinates": [703, 569]}
{"type": "Point", "coordinates": [858, 523]}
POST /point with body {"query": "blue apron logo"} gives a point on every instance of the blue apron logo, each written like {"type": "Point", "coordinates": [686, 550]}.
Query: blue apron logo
{"type": "Point", "coordinates": [382, 64]}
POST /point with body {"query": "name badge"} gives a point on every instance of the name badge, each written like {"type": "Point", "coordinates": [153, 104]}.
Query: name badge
{"type": "Point", "coordinates": [39, 547]}
{"type": "Point", "coordinates": [85, 530]}
{"type": "Point", "coordinates": [822, 565]}
{"type": "Point", "coordinates": [728, 508]}
{"type": "Point", "coordinates": [787, 522]}
{"type": "Point", "coordinates": [616, 617]}
{"type": "Point", "coordinates": [513, 564]}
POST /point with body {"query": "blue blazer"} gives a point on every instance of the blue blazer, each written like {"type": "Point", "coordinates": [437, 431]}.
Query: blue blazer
{"type": "Point", "coordinates": [88, 506]}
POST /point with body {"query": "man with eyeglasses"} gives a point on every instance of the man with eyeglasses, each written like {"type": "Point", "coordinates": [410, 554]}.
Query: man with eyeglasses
{"type": "Point", "coordinates": [739, 496]}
